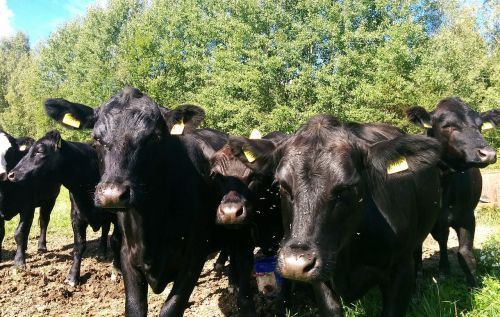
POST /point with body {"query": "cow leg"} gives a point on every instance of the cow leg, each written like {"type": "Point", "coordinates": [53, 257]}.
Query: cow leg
{"type": "Point", "coordinates": [2, 235]}
{"type": "Point", "coordinates": [396, 293]}
{"type": "Point", "coordinates": [116, 244]}
{"type": "Point", "coordinates": [243, 262]}
{"type": "Point", "coordinates": [103, 243]}
{"type": "Point", "coordinates": [418, 260]}
{"type": "Point", "coordinates": [183, 286]}
{"type": "Point", "coordinates": [21, 236]}
{"type": "Point", "coordinates": [80, 244]}
{"type": "Point", "coordinates": [43, 221]}
{"type": "Point", "coordinates": [284, 297]}
{"type": "Point", "coordinates": [328, 301]}
{"type": "Point", "coordinates": [136, 287]}
{"type": "Point", "coordinates": [221, 260]}
{"type": "Point", "coordinates": [440, 234]}
{"type": "Point", "coordinates": [465, 255]}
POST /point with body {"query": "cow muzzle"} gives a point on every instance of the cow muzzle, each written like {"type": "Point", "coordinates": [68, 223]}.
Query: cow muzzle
{"type": "Point", "coordinates": [487, 155]}
{"type": "Point", "coordinates": [301, 265]}
{"type": "Point", "coordinates": [112, 195]}
{"type": "Point", "coordinates": [233, 213]}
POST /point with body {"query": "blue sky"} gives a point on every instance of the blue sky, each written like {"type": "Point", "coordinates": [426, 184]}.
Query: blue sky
{"type": "Point", "coordinates": [38, 18]}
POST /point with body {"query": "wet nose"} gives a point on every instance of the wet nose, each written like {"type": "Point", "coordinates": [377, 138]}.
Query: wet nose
{"type": "Point", "coordinates": [112, 195]}
{"type": "Point", "coordinates": [11, 176]}
{"type": "Point", "coordinates": [297, 264]}
{"type": "Point", "coordinates": [231, 213]}
{"type": "Point", "coordinates": [487, 155]}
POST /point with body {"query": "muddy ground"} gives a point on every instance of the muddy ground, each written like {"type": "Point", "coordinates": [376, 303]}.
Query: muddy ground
{"type": "Point", "coordinates": [40, 289]}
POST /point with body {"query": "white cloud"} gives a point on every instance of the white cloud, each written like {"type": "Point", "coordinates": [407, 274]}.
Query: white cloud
{"type": "Point", "coordinates": [79, 7]}
{"type": "Point", "coordinates": [6, 15]}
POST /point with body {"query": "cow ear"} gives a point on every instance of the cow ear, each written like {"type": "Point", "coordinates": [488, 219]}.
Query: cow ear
{"type": "Point", "coordinates": [490, 119]}
{"type": "Point", "coordinates": [24, 144]}
{"type": "Point", "coordinates": [260, 155]}
{"type": "Point", "coordinates": [183, 119]}
{"type": "Point", "coordinates": [70, 115]}
{"type": "Point", "coordinates": [392, 168]}
{"type": "Point", "coordinates": [420, 117]}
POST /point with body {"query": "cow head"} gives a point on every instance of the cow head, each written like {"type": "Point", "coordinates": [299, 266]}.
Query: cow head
{"type": "Point", "coordinates": [458, 128]}
{"type": "Point", "coordinates": [238, 184]}
{"type": "Point", "coordinates": [41, 159]}
{"type": "Point", "coordinates": [11, 151]}
{"type": "Point", "coordinates": [130, 133]}
{"type": "Point", "coordinates": [323, 170]}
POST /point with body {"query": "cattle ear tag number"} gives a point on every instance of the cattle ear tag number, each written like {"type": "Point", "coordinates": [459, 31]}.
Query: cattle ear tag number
{"type": "Point", "coordinates": [397, 165]}
{"type": "Point", "coordinates": [249, 155]}
{"type": "Point", "coordinates": [177, 129]}
{"type": "Point", "coordinates": [68, 119]}
{"type": "Point", "coordinates": [22, 148]}
{"type": "Point", "coordinates": [255, 135]}
{"type": "Point", "coordinates": [427, 126]}
{"type": "Point", "coordinates": [487, 125]}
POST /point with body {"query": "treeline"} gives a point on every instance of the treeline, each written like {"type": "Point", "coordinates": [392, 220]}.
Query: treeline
{"type": "Point", "coordinates": [261, 64]}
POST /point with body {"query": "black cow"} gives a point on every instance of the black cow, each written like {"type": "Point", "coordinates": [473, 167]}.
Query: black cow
{"type": "Point", "coordinates": [250, 208]}
{"type": "Point", "coordinates": [22, 199]}
{"type": "Point", "coordinates": [75, 165]}
{"type": "Point", "coordinates": [353, 212]}
{"type": "Point", "coordinates": [458, 128]}
{"type": "Point", "coordinates": [155, 179]}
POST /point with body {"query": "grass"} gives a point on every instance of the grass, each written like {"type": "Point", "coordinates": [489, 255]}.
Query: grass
{"type": "Point", "coordinates": [436, 297]}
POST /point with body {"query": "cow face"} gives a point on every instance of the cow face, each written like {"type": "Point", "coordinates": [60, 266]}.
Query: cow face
{"type": "Point", "coordinates": [235, 181]}
{"type": "Point", "coordinates": [41, 159]}
{"type": "Point", "coordinates": [131, 133]}
{"type": "Point", "coordinates": [458, 128]}
{"type": "Point", "coordinates": [323, 171]}
{"type": "Point", "coordinates": [11, 151]}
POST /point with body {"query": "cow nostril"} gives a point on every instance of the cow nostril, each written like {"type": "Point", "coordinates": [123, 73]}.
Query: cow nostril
{"type": "Point", "coordinates": [310, 266]}
{"type": "Point", "coordinates": [239, 212]}
{"type": "Point", "coordinates": [482, 153]}
{"type": "Point", "coordinates": [125, 195]}
{"type": "Point", "coordinates": [11, 176]}
{"type": "Point", "coordinates": [487, 155]}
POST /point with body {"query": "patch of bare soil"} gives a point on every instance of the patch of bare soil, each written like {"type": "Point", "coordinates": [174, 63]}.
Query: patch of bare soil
{"type": "Point", "coordinates": [40, 289]}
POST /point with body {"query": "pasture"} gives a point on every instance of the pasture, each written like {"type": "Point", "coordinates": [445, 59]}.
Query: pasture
{"type": "Point", "coordinates": [40, 291]}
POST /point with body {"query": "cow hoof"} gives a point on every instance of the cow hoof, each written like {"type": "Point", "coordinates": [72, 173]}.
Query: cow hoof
{"type": "Point", "coordinates": [101, 257]}
{"type": "Point", "coordinates": [218, 268]}
{"type": "Point", "coordinates": [42, 249]}
{"type": "Point", "coordinates": [71, 281]}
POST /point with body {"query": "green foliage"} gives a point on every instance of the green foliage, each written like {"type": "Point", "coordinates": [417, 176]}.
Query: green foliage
{"type": "Point", "coordinates": [261, 64]}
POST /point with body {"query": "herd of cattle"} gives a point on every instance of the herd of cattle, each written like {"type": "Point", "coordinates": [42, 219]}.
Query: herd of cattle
{"type": "Point", "coordinates": [344, 206]}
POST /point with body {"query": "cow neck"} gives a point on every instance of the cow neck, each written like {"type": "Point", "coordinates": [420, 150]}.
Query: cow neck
{"type": "Point", "coordinates": [79, 167]}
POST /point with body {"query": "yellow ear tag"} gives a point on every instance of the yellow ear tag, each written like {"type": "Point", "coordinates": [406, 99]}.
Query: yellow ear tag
{"type": "Point", "coordinates": [255, 134]}
{"type": "Point", "coordinates": [427, 126]}
{"type": "Point", "coordinates": [68, 119]}
{"type": "Point", "coordinates": [487, 125]}
{"type": "Point", "coordinates": [177, 129]}
{"type": "Point", "coordinates": [22, 148]}
{"type": "Point", "coordinates": [249, 155]}
{"type": "Point", "coordinates": [397, 165]}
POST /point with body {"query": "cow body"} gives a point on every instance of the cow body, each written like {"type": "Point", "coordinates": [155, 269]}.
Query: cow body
{"type": "Point", "coordinates": [166, 209]}
{"type": "Point", "coordinates": [250, 209]}
{"type": "Point", "coordinates": [458, 128]}
{"type": "Point", "coordinates": [23, 199]}
{"type": "Point", "coordinates": [349, 225]}
{"type": "Point", "coordinates": [52, 160]}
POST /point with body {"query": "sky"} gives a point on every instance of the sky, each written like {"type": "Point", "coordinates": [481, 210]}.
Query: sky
{"type": "Point", "coordinates": [38, 18]}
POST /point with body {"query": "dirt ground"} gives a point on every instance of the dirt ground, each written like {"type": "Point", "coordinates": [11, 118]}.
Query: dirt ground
{"type": "Point", "coordinates": [40, 290]}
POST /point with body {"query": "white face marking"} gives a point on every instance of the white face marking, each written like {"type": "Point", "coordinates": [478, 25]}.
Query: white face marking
{"type": "Point", "coordinates": [4, 146]}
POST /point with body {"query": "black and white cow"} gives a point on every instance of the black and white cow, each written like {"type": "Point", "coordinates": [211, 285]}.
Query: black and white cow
{"type": "Point", "coordinates": [75, 165]}
{"type": "Point", "coordinates": [156, 181]}
{"type": "Point", "coordinates": [458, 128]}
{"type": "Point", "coordinates": [22, 199]}
{"type": "Point", "coordinates": [354, 210]}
